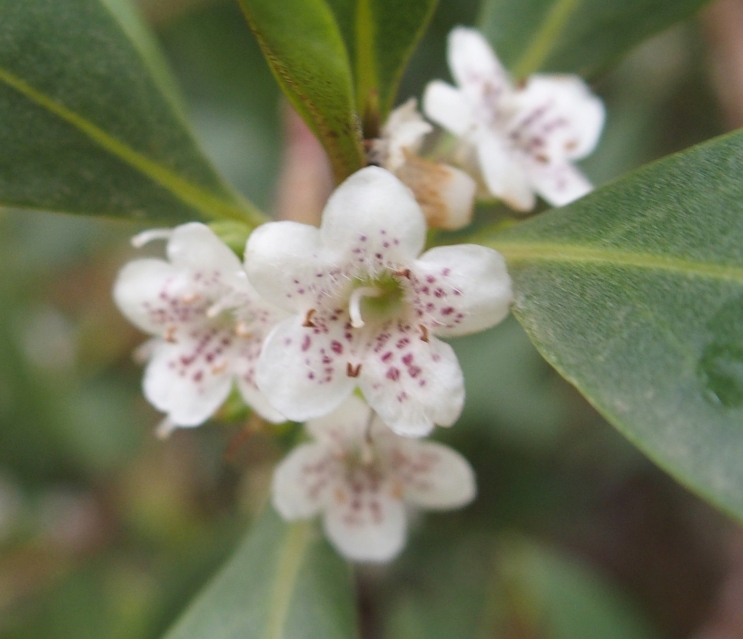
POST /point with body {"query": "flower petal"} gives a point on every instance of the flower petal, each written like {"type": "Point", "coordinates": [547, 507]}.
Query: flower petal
{"type": "Point", "coordinates": [366, 526]}
{"type": "Point", "coordinates": [412, 380]}
{"type": "Point", "coordinates": [194, 247]}
{"type": "Point", "coordinates": [461, 289]}
{"type": "Point", "coordinates": [475, 67]}
{"type": "Point", "coordinates": [303, 480]}
{"type": "Point", "coordinates": [281, 259]}
{"type": "Point", "coordinates": [558, 117]}
{"type": "Point", "coordinates": [191, 379]}
{"type": "Point", "coordinates": [445, 194]}
{"type": "Point", "coordinates": [372, 220]}
{"type": "Point", "coordinates": [559, 183]}
{"type": "Point", "coordinates": [448, 107]}
{"type": "Point", "coordinates": [504, 175]}
{"type": "Point", "coordinates": [245, 361]}
{"type": "Point", "coordinates": [303, 370]}
{"type": "Point", "coordinates": [158, 298]}
{"type": "Point", "coordinates": [344, 426]}
{"type": "Point", "coordinates": [405, 129]}
{"type": "Point", "coordinates": [434, 475]}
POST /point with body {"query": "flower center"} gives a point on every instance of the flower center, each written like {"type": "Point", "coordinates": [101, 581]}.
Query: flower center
{"type": "Point", "coordinates": [375, 300]}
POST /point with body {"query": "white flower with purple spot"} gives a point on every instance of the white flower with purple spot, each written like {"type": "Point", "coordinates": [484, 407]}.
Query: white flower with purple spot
{"type": "Point", "coordinates": [208, 324]}
{"type": "Point", "coordinates": [361, 477]}
{"type": "Point", "coordinates": [525, 139]}
{"type": "Point", "coordinates": [368, 311]}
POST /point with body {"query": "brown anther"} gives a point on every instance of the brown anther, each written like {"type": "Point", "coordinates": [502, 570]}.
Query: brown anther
{"type": "Point", "coordinates": [397, 490]}
{"type": "Point", "coordinates": [542, 158]}
{"type": "Point", "coordinates": [353, 371]}
{"type": "Point", "coordinates": [308, 323]}
{"type": "Point", "coordinates": [340, 496]}
{"type": "Point", "coordinates": [241, 330]}
{"type": "Point", "coordinates": [404, 273]}
{"type": "Point", "coordinates": [190, 298]}
{"type": "Point", "coordinates": [170, 334]}
{"type": "Point", "coordinates": [424, 333]}
{"type": "Point", "coordinates": [571, 145]}
{"type": "Point", "coordinates": [521, 84]}
{"type": "Point", "coordinates": [216, 370]}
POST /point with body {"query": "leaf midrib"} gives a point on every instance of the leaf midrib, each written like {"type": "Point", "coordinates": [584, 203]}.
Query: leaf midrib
{"type": "Point", "coordinates": [545, 38]}
{"type": "Point", "coordinates": [290, 561]}
{"type": "Point", "coordinates": [186, 192]}
{"type": "Point", "coordinates": [565, 253]}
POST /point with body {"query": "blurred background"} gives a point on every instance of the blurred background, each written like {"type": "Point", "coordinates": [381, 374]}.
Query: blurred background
{"type": "Point", "coordinates": [107, 532]}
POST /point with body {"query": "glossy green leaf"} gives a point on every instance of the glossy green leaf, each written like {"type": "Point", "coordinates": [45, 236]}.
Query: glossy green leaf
{"type": "Point", "coordinates": [635, 295]}
{"type": "Point", "coordinates": [578, 36]}
{"type": "Point", "coordinates": [306, 52]}
{"type": "Point", "coordinates": [89, 120]}
{"type": "Point", "coordinates": [387, 32]}
{"type": "Point", "coordinates": [284, 582]}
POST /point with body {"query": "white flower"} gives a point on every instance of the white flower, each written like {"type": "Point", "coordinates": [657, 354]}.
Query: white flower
{"type": "Point", "coordinates": [208, 321]}
{"type": "Point", "coordinates": [524, 138]}
{"type": "Point", "coordinates": [361, 476]}
{"type": "Point", "coordinates": [445, 193]}
{"type": "Point", "coordinates": [367, 312]}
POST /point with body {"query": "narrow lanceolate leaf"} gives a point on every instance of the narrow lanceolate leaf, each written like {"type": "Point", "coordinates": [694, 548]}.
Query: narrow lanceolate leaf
{"type": "Point", "coordinates": [635, 295]}
{"type": "Point", "coordinates": [284, 582]}
{"type": "Point", "coordinates": [387, 32]}
{"type": "Point", "coordinates": [88, 119]}
{"type": "Point", "coordinates": [577, 36]}
{"type": "Point", "coordinates": [306, 52]}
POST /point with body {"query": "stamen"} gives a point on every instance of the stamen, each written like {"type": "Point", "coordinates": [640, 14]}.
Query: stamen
{"type": "Point", "coordinates": [354, 304]}
{"type": "Point", "coordinates": [308, 323]}
{"type": "Point", "coordinates": [145, 237]}
{"type": "Point", "coordinates": [216, 308]}
{"type": "Point", "coordinates": [190, 298]}
{"type": "Point", "coordinates": [165, 428]}
{"type": "Point", "coordinates": [404, 273]}
{"type": "Point", "coordinates": [424, 333]}
{"type": "Point", "coordinates": [242, 330]}
{"type": "Point", "coordinates": [169, 335]}
{"type": "Point", "coordinates": [143, 352]}
{"type": "Point", "coordinates": [353, 371]}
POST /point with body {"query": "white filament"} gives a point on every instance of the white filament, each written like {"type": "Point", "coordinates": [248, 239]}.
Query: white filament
{"type": "Point", "coordinates": [354, 304]}
{"type": "Point", "coordinates": [145, 237]}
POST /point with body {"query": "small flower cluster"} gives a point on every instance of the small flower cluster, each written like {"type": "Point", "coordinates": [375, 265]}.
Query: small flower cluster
{"type": "Point", "coordinates": [314, 315]}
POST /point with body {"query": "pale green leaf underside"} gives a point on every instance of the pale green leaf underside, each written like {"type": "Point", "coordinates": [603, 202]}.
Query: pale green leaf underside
{"type": "Point", "coordinates": [284, 582]}
{"type": "Point", "coordinates": [635, 294]}
{"type": "Point", "coordinates": [576, 36]}
{"type": "Point", "coordinates": [85, 125]}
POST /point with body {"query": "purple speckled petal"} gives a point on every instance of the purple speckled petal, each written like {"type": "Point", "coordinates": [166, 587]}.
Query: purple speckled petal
{"type": "Point", "coordinates": [190, 379]}
{"type": "Point", "coordinates": [304, 480]}
{"type": "Point", "coordinates": [433, 475]}
{"type": "Point", "coordinates": [372, 222]}
{"type": "Point", "coordinates": [364, 521]}
{"type": "Point", "coordinates": [460, 289]}
{"type": "Point", "coordinates": [412, 380]}
{"type": "Point", "coordinates": [304, 370]}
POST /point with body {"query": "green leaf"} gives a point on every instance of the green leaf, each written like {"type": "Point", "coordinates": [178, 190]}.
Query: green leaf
{"type": "Point", "coordinates": [576, 36]}
{"type": "Point", "coordinates": [387, 32]}
{"type": "Point", "coordinates": [89, 120]}
{"type": "Point", "coordinates": [284, 582]}
{"type": "Point", "coordinates": [635, 295]}
{"type": "Point", "coordinates": [305, 50]}
{"type": "Point", "coordinates": [551, 595]}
